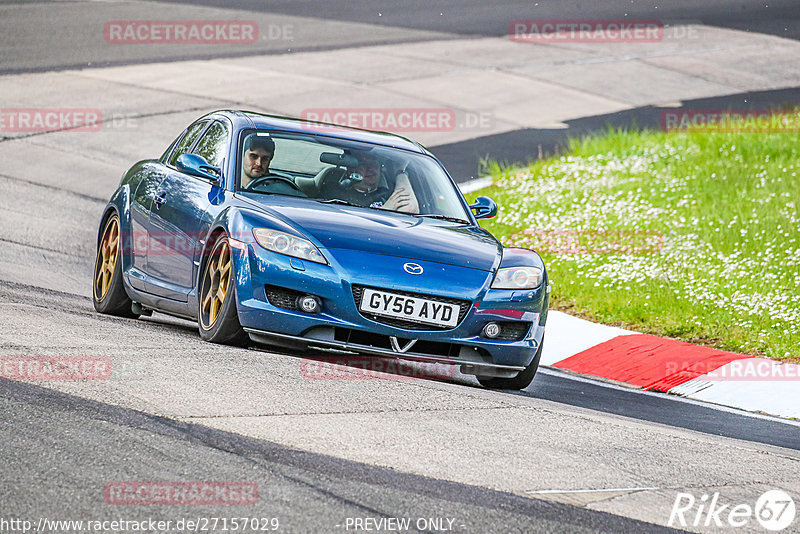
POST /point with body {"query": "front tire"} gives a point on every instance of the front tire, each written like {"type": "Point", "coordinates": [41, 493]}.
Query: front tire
{"type": "Point", "coordinates": [108, 292]}
{"type": "Point", "coordinates": [217, 319]}
{"type": "Point", "coordinates": [521, 381]}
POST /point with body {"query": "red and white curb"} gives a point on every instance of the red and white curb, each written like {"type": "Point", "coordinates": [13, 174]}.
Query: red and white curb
{"type": "Point", "coordinates": [670, 366]}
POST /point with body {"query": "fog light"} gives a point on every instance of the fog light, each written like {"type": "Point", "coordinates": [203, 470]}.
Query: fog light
{"type": "Point", "coordinates": [491, 330]}
{"type": "Point", "coordinates": [309, 304]}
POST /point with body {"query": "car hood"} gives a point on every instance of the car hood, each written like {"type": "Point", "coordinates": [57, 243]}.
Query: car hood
{"type": "Point", "coordinates": [380, 232]}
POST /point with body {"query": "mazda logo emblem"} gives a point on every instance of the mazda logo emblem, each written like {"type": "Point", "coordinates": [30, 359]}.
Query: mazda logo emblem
{"type": "Point", "coordinates": [412, 268]}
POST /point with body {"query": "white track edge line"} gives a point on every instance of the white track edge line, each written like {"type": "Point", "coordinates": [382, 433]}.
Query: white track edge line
{"type": "Point", "coordinates": [676, 398]}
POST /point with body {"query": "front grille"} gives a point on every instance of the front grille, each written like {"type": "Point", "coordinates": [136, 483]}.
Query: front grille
{"type": "Point", "coordinates": [513, 330]}
{"type": "Point", "coordinates": [432, 348]}
{"type": "Point", "coordinates": [463, 309]}
{"type": "Point", "coordinates": [283, 298]}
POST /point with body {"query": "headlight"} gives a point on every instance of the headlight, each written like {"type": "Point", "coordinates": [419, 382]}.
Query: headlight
{"type": "Point", "coordinates": [517, 278]}
{"type": "Point", "coordinates": [284, 243]}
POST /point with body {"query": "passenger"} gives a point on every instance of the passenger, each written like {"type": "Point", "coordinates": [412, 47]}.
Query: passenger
{"type": "Point", "coordinates": [373, 191]}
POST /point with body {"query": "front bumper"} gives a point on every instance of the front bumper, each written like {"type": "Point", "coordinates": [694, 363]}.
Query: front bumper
{"type": "Point", "coordinates": [467, 365]}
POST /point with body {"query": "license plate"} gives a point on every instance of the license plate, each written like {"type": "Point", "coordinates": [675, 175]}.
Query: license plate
{"type": "Point", "coordinates": [409, 308]}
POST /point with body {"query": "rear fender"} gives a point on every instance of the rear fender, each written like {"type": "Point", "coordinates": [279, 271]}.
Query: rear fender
{"type": "Point", "coordinates": [121, 205]}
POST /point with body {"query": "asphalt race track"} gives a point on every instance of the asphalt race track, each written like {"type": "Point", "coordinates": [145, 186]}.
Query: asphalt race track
{"type": "Point", "coordinates": [49, 33]}
{"type": "Point", "coordinates": [566, 455]}
{"type": "Point", "coordinates": [305, 491]}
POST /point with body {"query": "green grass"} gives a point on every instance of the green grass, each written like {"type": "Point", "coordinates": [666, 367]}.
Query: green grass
{"type": "Point", "coordinates": [686, 235]}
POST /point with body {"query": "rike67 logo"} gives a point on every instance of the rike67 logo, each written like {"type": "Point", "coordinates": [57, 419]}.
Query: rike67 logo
{"type": "Point", "coordinates": [774, 510]}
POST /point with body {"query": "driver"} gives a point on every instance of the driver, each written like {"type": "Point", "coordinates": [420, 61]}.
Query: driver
{"type": "Point", "coordinates": [258, 153]}
{"type": "Point", "coordinates": [372, 190]}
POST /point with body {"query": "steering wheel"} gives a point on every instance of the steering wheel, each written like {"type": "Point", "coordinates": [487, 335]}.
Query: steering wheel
{"type": "Point", "coordinates": [273, 175]}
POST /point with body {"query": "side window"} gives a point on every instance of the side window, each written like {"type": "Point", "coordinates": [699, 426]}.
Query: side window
{"type": "Point", "coordinates": [214, 144]}
{"type": "Point", "coordinates": [186, 142]}
{"type": "Point", "coordinates": [167, 152]}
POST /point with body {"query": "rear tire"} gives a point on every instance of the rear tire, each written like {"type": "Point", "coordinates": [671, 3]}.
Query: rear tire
{"type": "Point", "coordinates": [217, 318]}
{"type": "Point", "coordinates": [108, 292]}
{"type": "Point", "coordinates": [521, 381]}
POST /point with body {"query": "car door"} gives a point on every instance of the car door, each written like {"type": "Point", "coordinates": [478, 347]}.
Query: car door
{"type": "Point", "coordinates": [137, 243]}
{"type": "Point", "coordinates": [179, 217]}
{"type": "Point", "coordinates": [151, 174]}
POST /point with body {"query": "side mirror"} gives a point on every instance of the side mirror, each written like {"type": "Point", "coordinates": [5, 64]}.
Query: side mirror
{"type": "Point", "coordinates": [484, 208]}
{"type": "Point", "coordinates": [198, 166]}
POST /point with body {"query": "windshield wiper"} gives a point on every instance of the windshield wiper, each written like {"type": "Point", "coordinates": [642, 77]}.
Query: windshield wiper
{"type": "Point", "coordinates": [426, 215]}
{"type": "Point", "coordinates": [442, 218]}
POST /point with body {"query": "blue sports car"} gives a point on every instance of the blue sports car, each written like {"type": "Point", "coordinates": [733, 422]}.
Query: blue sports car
{"type": "Point", "coordinates": [312, 236]}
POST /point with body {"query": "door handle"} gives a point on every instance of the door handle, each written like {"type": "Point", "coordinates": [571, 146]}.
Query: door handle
{"type": "Point", "coordinates": [160, 199]}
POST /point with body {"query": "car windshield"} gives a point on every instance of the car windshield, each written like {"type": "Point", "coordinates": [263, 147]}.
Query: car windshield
{"type": "Point", "coordinates": [346, 172]}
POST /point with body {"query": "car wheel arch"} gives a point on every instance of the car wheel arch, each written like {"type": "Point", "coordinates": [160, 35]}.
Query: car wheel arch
{"type": "Point", "coordinates": [211, 239]}
{"type": "Point", "coordinates": [107, 214]}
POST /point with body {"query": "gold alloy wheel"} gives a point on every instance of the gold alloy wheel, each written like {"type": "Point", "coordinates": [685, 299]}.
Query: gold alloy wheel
{"type": "Point", "coordinates": [107, 254]}
{"type": "Point", "coordinates": [216, 282]}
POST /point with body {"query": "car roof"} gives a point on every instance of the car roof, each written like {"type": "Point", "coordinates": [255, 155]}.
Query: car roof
{"type": "Point", "coordinates": [249, 119]}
